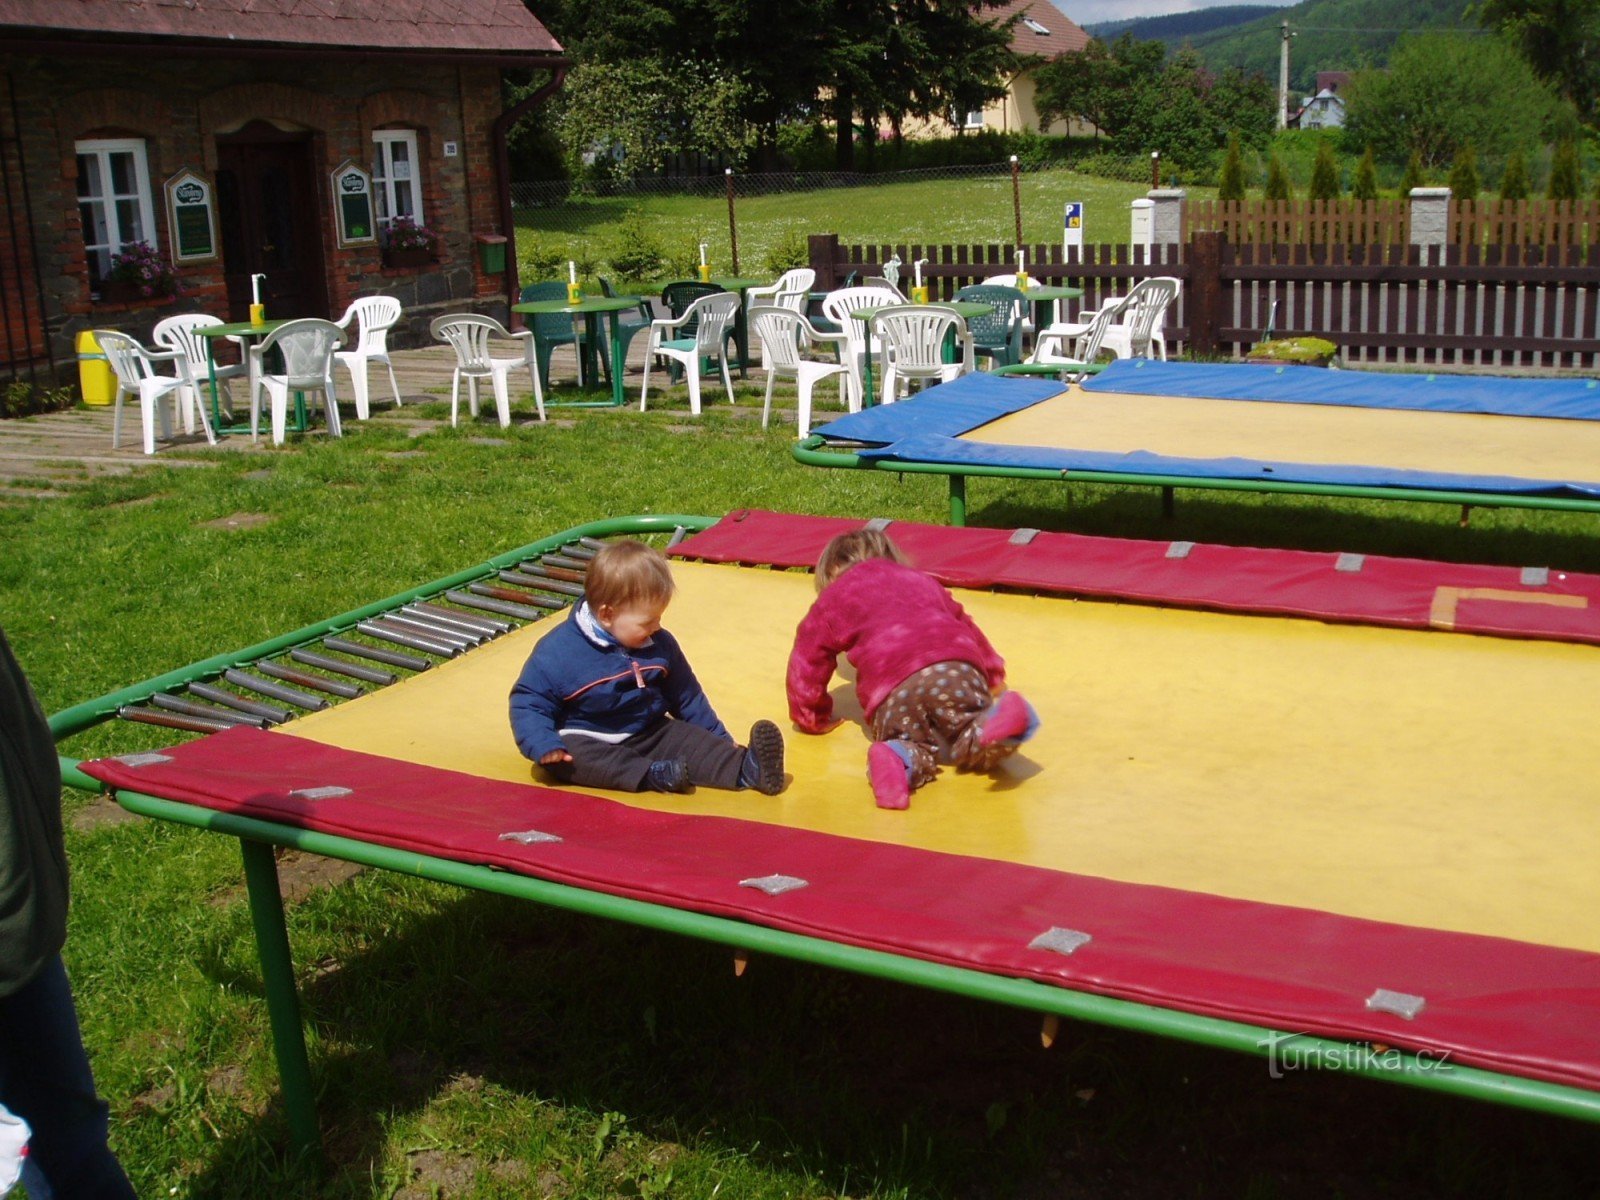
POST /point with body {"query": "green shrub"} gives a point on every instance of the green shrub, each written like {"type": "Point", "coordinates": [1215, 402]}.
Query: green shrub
{"type": "Point", "coordinates": [1566, 179]}
{"type": "Point", "coordinates": [635, 253]}
{"type": "Point", "coordinates": [1515, 184]}
{"type": "Point", "coordinates": [682, 259]}
{"type": "Point", "coordinates": [21, 399]}
{"type": "Point", "coordinates": [1231, 185]}
{"type": "Point", "coordinates": [539, 259]}
{"type": "Point", "coordinates": [1365, 184]}
{"type": "Point", "coordinates": [1413, 178]}
{"type": "Point", "coordinates": [791, 250]}
{"type": "Point", "coordinates": [1277, 181]}
{"type": "Point", "coordinates": [1325, 174]}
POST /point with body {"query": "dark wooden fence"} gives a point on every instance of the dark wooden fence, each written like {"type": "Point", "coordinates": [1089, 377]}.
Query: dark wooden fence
{"type": "Point", "coordinates": [1511, 305]}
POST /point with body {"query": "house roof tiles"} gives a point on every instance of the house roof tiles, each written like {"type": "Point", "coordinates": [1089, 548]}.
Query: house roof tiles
{"type": "Point", "coordinates": [1062, 35]}
{"type": "Point", "coordinates": [499, 26]}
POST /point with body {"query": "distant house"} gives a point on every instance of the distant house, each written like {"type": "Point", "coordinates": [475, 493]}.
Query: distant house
{"type": "Point", "coordinates": [1325, 110]}
{"type": "Point", "coordinates": [1040, 33]}
{"type": "Point", "coordinates": [240, 137]}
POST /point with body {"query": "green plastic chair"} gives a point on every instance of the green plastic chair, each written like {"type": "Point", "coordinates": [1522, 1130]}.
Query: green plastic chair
{"type": "Point", "coordinates": [551, 329]}
{"type": "Point", "coordinates": [630, 323]}
{"type": "Point", "coordinates": [996, 333]}
{"type": "Point", "coordinates": [678, 297]}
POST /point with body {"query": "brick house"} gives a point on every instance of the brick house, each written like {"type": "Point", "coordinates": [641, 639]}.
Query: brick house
{"type": "Point", "coordinates": [279, 137]}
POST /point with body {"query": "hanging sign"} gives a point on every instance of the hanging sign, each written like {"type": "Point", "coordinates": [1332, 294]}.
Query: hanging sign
{"type": "Point", "coordinates": [191, 217]}
{"type": "Point", "coordinates": [352, 204]}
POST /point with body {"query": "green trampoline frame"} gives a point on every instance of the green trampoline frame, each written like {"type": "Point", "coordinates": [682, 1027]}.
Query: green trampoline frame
{"type": "Point", "coordinates": [257, 837]}
{"type": "Point", "coordinates": [810, 452]}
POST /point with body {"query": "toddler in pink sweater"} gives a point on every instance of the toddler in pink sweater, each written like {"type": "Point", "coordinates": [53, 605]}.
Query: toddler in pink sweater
{"type": "Point", "coordinates": [931, 685]}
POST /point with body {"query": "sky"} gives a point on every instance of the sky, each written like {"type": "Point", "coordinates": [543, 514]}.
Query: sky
{"type": "Point", "coordinates": [1087, 12]}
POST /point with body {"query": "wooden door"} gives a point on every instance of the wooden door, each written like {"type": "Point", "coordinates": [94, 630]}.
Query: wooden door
{"type": "Point", "coordinates": [267, 203]}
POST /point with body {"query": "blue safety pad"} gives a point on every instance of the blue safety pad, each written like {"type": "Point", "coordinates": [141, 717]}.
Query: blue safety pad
{"type": "Point", "coordinates": [1572, 399]}
{"type": "Point", "coordinates": [946, 410]}
{"type": "Point", "coordinates": [952, 452]}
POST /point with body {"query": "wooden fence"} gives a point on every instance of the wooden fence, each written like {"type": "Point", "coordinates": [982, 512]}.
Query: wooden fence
{"type": "Point", "coordinates": [1496, 307]}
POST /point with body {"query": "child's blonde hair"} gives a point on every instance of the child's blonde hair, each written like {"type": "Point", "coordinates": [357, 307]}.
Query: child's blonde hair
{"type": "Point", "coordinates": [627, 573]}
{"type": "Point", "coordinates": [847, 549]}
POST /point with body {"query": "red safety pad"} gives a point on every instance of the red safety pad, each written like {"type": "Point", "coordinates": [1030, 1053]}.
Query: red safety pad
{"type": "Point", "coordinates": [1490, 1002]}
{"type": "Point", "coordinates": [1358, 589]}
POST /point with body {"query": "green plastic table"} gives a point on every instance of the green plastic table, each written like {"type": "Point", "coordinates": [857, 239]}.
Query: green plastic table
{"type": "Point", "coordinates": [962, 309]}
{"type": "Point", "coordinates": [591, 308]}
{"type": "Point", "coordinates": [739, 285]}
{"type": "Point", "coordinates": [1039, 295]}
{"type": "Point", "coordinates": [250, 333]}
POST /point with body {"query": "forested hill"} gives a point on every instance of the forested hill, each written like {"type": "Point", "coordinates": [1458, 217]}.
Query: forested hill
{"type": "Point", "coordinates": [1176, 28]}
{"type": "Point", "coordinates": [1330, 35]}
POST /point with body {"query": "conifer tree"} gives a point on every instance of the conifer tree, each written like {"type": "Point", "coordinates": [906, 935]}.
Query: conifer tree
{"type": "Point", "coordinates": [1277, 180]}
{"type": "Point", "coordinates": [1365, 184]}
{"type": "Point", "coordinates": [1413, 176]}
{"type": "Point", "coordinates": [1464, 183]}
{"type": "Point", "coordinates": [1566, 181]}
{"type": "Point", "coordinates": [1325, 174]}
{"type": "Point", "coordinates": [1514, 184]}
{"type": "Point", "coordinates": [1231, 185]}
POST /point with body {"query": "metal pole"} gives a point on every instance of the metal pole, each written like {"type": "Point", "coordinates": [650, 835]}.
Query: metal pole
{"type": "Point", "coordinates": [1155, 168]}
{"type": "Point", "coordinates": [283, 1005]}
{"type": "Point", "coordinates": [1016, 199]}
{"type": "Point", "coordinates": [733, 225]}
{"type": "Point", "coordinates": [1283, 76]}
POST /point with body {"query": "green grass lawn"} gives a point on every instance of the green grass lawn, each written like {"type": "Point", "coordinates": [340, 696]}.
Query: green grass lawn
{"type": "Point", "coordinates": [465, 1045]}
{"type": "Point", "coordinates": [956, 211]}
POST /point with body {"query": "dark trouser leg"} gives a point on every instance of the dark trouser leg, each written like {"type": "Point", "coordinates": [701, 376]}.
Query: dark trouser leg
{"type": "Point", "coordinates": [45, 1079]}
{"type": "Point", "coordinates": [713, 760]}
{"type": "Point", "coordinates": [937, 714]}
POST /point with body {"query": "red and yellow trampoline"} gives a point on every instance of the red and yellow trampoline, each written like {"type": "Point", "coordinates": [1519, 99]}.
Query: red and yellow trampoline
{"type": "Point", "coordinates": [1283, 802]}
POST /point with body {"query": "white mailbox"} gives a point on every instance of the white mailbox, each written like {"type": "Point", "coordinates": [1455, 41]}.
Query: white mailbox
{"type": "Point", "coordinates": [1142, 223]}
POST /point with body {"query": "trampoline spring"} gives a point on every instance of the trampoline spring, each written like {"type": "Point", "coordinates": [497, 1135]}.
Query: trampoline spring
{"type": "Point", "coordinates": [543, 571]}
{"type": "Point", "coordinates": [207, 712]}
{"type": "Point", "coordinates": [170, 720]}
{"type": "Point", "coordinates": [228, 700]}
{"type": "Point", "coordinates": [578, 550]}
{"type": "Point", "coordinates": [435, 630]}
{"type": "Point", "coordinates": [493, 625]}
{"type": "Point", "coordinates": [471, 634]}
{"type": "Point", "coordinates": [590, 543]}
{"type": "Point", "coordinates": [678, 534]}
{"type": "Point", "coordinates": [541, 581]}
{"type": "Point", "coordinates": [377, 654]}
{"type": "Point", "coordinates": [507, 607]}
{"type": "Point", "coordinates": [560, 562]}
{"type": "Point", "coordinates": [275, 691]}
{"type": "Point", "coordinates": [355, 670]}
{"type": "Point", "coordinates": [407, 638]}
{"type": "Point", "coordinates": [516, 597]}
{"type": "Point", "coordinates": [335, 687]}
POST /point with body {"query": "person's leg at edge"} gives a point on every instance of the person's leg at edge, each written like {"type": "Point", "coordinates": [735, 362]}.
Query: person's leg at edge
{"type": "Point", "coordinates": [45, 1079]}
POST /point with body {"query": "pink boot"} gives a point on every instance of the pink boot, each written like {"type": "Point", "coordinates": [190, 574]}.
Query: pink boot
{"type": "Point", "coordinates": [1010, 719]}
{"type": "Point", "coordinates": [889, 776]}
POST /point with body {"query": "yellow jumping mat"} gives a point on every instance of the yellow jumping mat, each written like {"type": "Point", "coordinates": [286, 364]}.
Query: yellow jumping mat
{"type": "Point", "coordinates": [1472, 444]}
{"type": "Point", "coordinates": [1430, 779]}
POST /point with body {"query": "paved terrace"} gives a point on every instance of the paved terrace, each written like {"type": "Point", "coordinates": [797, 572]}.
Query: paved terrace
{"type": "Point", "coordinates": [42, 454]}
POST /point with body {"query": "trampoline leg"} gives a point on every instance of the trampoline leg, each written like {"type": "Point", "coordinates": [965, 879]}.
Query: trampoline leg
{"type": "Point", "coordinates": [283, 1005]}
{"type": "Point", "coordinates": [958, 499]}
{"type": "Point", "coordinates": [1169, 507]}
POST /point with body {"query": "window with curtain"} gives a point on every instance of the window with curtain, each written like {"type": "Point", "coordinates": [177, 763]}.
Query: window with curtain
{"type": "Point", "coordinates": [396, 176]}
{"type": "Point", "coordinates": [113, 200]}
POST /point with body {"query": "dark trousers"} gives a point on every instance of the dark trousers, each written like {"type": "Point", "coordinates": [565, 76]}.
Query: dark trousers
{"type": "Point", "coordinates": [45, 1079]}
{"type": "Point", "coordinates": [714, 760]}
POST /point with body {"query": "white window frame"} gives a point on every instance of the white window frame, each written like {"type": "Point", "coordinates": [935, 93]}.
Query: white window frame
{"type": "Point", "coordinates": [100, 252]}
{"type": "Point", "coordinates": [386, 189]}
{"type": "Point", "coordinates": [973, 119]}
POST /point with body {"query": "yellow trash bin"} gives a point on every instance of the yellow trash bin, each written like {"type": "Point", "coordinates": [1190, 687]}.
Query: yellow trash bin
{"type": "Point", "coordinates": [95, 378]}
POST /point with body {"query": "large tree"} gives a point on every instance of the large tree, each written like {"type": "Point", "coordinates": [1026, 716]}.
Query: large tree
{"type": "Point", "coordinates": [1561, 41]}
{"type": "Point", "coordinates": [1442, 91]}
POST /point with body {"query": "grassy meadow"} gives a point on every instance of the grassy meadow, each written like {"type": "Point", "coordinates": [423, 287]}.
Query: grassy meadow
{"type": "Point", "coordinates": [975, 210]}
{"type": "Point", "coordinates": [467, 1046]}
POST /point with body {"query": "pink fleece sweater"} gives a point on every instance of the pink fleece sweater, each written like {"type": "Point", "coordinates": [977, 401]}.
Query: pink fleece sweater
{"type": "Point", "coordinates": [889, 621]}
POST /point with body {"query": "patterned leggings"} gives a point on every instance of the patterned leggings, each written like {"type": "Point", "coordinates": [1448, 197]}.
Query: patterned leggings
{"type": "Point", "coordinates": [936, 714]}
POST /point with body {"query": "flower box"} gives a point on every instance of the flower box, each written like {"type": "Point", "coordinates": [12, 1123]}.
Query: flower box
{"type": "Point", "coordinates": [407, 256]}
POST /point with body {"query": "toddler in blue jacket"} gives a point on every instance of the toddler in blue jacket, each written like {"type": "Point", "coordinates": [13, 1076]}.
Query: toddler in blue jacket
{"type": "Point", "coordinates": [608, 700]}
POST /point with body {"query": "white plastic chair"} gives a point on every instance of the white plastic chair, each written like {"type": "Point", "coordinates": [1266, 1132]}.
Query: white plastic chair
{"type": "Point", "coordinates": [469, 336]}
{"type": "Point", "coordinates": [374, 316]}
{"type": "Point", "coordinates": [1138, 329]}
{"type": "Point", "coordinates": [782, 333]}
{"type": "Point", "coordinates": [178, 333]}
{"type": "Point", "coordinates": [913, 338]}
{"type": "Point", "coordinates": [134, 367]}
{"type": "Point", "coordinates": [714, 315]}
{"type": "Point", "coordinates": [798, 280]}
{"type": "Point", "coordinates": [307, 347]}
{"type": "Point", "coordinates": [837, 307]}
{"type": "Point", "coordinates": [1076, 355]}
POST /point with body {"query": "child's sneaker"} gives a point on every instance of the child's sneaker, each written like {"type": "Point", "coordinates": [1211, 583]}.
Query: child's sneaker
{"type": "Point", "coordinates": [890, 776]}
{"type": "Point", "coordinates": [668, 775]}
{"type": "Point", "coordinates": [763, 761]}
{"type": "Point", "coordinates": [1009, 719]}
